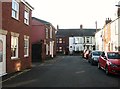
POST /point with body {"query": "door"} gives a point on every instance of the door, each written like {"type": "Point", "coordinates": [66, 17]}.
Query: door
{"type": "Point", "coordinates": [36, 52]}
{"type": "Point", "coordinates": [2, 55]}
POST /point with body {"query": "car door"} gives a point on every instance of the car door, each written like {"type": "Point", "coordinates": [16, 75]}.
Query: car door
{"type": "Point", "coordinates": [102, 60]}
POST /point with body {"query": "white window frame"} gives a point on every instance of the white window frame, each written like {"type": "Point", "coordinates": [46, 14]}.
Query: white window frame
{"type": "Point", "coordinates": [15, 9]}
{"type": "Point", "coordinates": [13, 43]}
{"type": "Point", "coordinates": [26, 15]}
{"type": "Point", "coordinates": [46, 33]}
{"type": "Point", "coordinates": [26, 46]}
{"type": "Point", "coordinates": [50, 31]}
{"type": "Point", "coordinates": [60, 40]}
{"type": "Point", "coordinates": [47, 49]}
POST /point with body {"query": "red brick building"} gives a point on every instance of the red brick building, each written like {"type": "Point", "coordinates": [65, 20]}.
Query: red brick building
{"type": "Point", "coordinates": [15, 39]}
{"type": "Point", "coordinates": [43, 40]}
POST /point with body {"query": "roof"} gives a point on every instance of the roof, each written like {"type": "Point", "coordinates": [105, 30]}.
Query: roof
{"type": "Point", "coordinates": [42, 21]}
{"type": "Point", "coordinates": [76, 32]}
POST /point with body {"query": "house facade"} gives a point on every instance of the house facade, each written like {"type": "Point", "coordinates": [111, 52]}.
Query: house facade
{"type": "Point", "coordinates": [43, 35]}
{"type": "Point", "coordinates": [99, 40]}
{"type": "Point", "coordinates": [111, 36]}
{"type": "Point", "coordinates": [15, 43]}
{"type": "Point", "coordinates": [76, 39]}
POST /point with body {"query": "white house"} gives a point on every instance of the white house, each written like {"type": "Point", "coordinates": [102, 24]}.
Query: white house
{"type": "Point", "coordinates": [99, 40]}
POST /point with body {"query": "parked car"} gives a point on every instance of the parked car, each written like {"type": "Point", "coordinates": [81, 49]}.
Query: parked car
{"type": "Point", "coordinates": [86, 54]}
{"type": "Point", "coordinates": [94, 56]}
{"type": "Point", "coordinates": [110, 62]}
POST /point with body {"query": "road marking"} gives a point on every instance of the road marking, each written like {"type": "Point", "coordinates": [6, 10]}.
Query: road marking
{"type": "Point", "coordinates": [15, 75]}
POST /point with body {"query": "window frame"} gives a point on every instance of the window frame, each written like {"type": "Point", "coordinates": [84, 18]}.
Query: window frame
{"type": "Point", "coordinates": [26, 47]}
{"type": "Point", "coordinates": [15, 9]}
{"type": "Point", "coordinates": [16, 53]}
{"type": "Point", "coordinates": [27, 15]}
{"type": "Point", "coordinates": [46, 33]}
{"type": "Point", "coordinates": [60, 40]}
{"type": "Point", "coordinates": [50, 31]}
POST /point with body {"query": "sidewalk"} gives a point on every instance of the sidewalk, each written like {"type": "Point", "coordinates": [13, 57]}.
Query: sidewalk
{"type": "Point", "coordinates": [15, 74]}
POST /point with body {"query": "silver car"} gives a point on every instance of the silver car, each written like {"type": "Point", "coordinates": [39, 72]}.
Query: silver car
{"type": "Point", "coordinates": [93, 58]}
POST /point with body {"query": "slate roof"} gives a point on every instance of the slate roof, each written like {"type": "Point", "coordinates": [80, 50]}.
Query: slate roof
{"type": "Point", "coordinates": [42, 21]}
{"type": "Point", "coordinates": [76, 32]}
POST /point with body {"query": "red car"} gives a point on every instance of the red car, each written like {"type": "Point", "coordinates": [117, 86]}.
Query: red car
{"type": "Point", "coordinates": [110, 62]}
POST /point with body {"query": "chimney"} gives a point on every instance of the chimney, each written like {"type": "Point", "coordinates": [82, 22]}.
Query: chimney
{"type": "Point", "coordinates": [96, 25]}
{"type": "Point", "coordinates": [108, 20]}
{"type": "Point", "coordinates": [118, 11]}
{"type": "Point", "coordinates": [81, 27]}
{"type": "Point", "coordinates": [57, 27]}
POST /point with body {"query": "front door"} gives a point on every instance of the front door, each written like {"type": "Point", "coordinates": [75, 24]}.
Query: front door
{"type": "Point", "coordinates": [2, 55]}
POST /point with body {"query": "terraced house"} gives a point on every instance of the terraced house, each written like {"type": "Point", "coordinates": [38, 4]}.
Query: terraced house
{"type": "Point", "coordinates": [15, 43]}
{"type": "Point", "coordinates": [43, 40]}
{"type": "Point", "coordinates": [75, 40]}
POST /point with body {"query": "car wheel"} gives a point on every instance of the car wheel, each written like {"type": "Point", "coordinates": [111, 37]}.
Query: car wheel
{"type": "Point", "coordinates": [99, 66]}
{"type": "Point", "coordinates": [106, 71]}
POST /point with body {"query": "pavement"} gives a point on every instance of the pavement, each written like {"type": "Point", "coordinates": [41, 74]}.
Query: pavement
{"type": "Point", "coordinates": [15, 74]}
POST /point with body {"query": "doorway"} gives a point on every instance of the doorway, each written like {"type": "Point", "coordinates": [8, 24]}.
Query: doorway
{"type": "Point", "coordinates": [2, 55]}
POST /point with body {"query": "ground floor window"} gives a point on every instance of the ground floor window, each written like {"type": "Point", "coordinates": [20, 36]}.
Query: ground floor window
{"type": "Point", "coordinates": [14, 47]}
{"type": "Point", "coordinates": [26, 46]}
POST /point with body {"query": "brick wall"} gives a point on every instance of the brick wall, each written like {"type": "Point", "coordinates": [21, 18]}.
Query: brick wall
{"type": "Point", "coordinates": [12, 25]}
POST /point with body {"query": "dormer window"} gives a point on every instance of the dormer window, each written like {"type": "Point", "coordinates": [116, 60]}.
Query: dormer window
{"type": "Point", "coordinates": [15, 9]}
{"type": "Point", "coordinates": [26, 15]}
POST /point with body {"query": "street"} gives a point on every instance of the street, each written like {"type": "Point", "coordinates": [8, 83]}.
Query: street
{"type": "Point", "coordinates": [64, 71]}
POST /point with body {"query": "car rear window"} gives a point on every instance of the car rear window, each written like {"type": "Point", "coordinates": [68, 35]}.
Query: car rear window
{"type": "Point", "coordinates": [113, 55]}
{"type": "Point", "coordinates": [97, 53]}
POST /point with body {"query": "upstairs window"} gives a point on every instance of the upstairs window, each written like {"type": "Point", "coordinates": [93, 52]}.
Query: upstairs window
{"type": "Point", "coordinates": [26, 15]}
{"type": "Point", "coordinates": [50, 31]}
{"type": "Point", "coordinates": [87, 39]}
{"type": "Point", "coordinates": [15, 9]}
{"type": "Point", "coordinates": [60, 40]}
{"type": "Point", "coordinates": [46, 33]}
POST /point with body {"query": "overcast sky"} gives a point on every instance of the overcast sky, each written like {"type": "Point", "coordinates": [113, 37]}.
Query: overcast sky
{"type": "Point", "coordinates": [72, 13]}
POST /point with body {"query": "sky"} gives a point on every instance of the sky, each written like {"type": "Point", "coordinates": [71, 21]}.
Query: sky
{"type": "Point", "coordinates": [73, 13]}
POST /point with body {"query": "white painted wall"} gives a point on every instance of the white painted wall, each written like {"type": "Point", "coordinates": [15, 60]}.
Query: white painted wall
{"type": "Point", "coordinates": [76, 43]}
{"type": "Point", "coordinates": [114, 35]}
{"type": "Point", "coordinates": [71, 41]}
{"type": "Point", "coordinates": [98, 40]}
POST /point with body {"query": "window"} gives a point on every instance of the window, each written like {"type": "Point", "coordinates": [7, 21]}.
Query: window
{"type": "Point", "coordinates": [14, 47]}
{"type": "Point", "coordinates": [57, 40]}
{"type": "Point", "coordinates": [47, 49]}
{"type": "Point", "coordinates": [46, 33]}
{"type": "Point", "coordinates": [50, 32]}
{"type": "Point", "coordinates": [60, 49]}
{"type": "Point", "coordinates": [26, 15]}
{"type": "Point", "coordinates": [26, 46]}
{"type": "Point", "coordinates": [60, 40]}
{"type": "Point", "coordinates": [15, 9]}
{"type": "Point", "coordinates": [87, 39]}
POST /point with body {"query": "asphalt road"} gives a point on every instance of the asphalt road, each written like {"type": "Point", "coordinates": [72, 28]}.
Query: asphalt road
{"type": "Point", "coordinates": [64, 71]}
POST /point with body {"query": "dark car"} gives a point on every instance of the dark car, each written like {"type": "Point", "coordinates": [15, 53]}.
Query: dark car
{"type": "Point", "coordinates": [94, 56]}
{"type": "Point", "coordinates": [110, 62]}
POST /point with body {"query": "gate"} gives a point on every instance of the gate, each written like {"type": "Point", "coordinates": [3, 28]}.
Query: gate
{"type": "Point", "coordinates": [36, 53]}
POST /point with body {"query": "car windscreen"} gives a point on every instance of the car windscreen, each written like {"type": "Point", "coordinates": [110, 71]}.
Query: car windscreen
{"type": "Point", "coordinates": [97, 53]}
{"type": "Point", "coordinates": [113, 55]}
